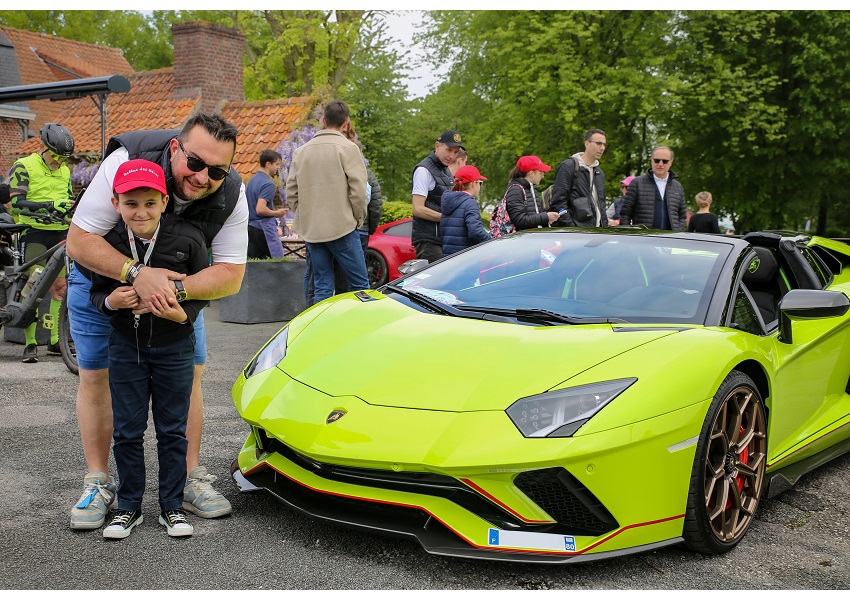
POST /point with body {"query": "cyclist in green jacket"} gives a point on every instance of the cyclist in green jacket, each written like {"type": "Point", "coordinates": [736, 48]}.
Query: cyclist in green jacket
{"type": "Point", "coordinates": [43, 178]}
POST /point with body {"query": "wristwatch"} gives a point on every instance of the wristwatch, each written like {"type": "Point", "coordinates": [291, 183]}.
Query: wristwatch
{"type": "Point", "coordinates": [181, 294]}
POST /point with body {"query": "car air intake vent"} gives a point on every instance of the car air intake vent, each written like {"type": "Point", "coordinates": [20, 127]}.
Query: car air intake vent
{"type": "Point", "coordinates": [566, 500]}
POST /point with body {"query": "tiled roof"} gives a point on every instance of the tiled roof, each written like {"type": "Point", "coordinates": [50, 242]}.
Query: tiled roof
{"type": "Point", "coordinates": [148, 105]}
{"type": "Point", "coordinates": [262, 125]}
{"type": "Point", "coordinates": [44, 58]}
{"type": "Point", "coordinates": [37, 50]}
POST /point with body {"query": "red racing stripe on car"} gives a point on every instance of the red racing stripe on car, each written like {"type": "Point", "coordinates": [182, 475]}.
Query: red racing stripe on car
{"type": "Point", "coordinates": [457, 533]}
{"type": "Point", "coordinates": [495, 500]}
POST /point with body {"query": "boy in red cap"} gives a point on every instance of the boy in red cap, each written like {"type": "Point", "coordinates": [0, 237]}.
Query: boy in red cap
{"type": "Point", "coordinates": [151, 349]}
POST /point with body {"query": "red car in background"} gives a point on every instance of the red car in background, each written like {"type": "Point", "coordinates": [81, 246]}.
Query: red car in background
{"type": "Point", "coordinates": [389, 247]}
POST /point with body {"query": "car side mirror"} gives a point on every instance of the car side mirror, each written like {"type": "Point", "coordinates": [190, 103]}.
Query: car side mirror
{"type": "Point", "coordinates": [412, 266]}
{"type": "Point", "coordinates": [809, 304]}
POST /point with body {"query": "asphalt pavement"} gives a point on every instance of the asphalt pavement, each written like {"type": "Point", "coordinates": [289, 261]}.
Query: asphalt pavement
{"type": "Point", "coordinates": [799, 540]}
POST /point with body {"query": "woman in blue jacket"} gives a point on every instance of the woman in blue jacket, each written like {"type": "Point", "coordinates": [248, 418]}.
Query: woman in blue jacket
{"type": "Point", "coordinates": [460, 225]}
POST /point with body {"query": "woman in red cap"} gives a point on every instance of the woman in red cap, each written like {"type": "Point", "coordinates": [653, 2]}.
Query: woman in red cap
{"type": "Point", "coordinates": [525, 205]}
{"type": "Point", "coordinates": [460, 224]}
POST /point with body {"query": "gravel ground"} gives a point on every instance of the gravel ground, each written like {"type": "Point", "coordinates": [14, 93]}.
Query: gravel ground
{"type": "Point", "coordinates": [800, 539]}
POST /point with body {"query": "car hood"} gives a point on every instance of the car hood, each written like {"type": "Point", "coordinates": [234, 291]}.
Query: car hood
{"type": "Point", "coordinates": [389, 354]}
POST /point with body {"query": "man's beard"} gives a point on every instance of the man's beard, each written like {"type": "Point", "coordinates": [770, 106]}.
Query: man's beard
{"type": "Point", "coordinates": [182, 190]}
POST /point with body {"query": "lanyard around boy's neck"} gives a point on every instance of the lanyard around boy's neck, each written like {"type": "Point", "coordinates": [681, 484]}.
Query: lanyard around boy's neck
{"type": "Point", "coordinates": [135, 253]}
{"type": "Point", "coordinates": [149, 251]}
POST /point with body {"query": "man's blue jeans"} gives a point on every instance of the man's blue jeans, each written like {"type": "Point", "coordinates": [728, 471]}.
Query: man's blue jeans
{"type": "Point", "coordinates": [159, 377]}
{"type": "Point", "coordinates": [348, 253]}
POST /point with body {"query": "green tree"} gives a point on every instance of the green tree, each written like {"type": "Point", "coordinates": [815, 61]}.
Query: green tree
{"type": "Point", "coordinates": [375, 89]}
{"type": "Point", "coordinates": [762, 112]}
{"type": "Point", "coordinates": [532, 82]}
{"type": "Point", "coordinates": [324, 54]}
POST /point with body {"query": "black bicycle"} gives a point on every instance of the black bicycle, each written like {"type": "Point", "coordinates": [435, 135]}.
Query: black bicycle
{"type": "Point", "coordinates": [19, 308]}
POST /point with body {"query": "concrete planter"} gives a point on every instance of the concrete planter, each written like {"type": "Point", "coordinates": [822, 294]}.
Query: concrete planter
{"type": "Point", "coordinates": [271, 291]}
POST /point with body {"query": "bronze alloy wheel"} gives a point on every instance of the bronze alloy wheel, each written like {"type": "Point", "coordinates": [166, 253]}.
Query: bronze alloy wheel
{"type": "Point", "coordinates": [729, 468]}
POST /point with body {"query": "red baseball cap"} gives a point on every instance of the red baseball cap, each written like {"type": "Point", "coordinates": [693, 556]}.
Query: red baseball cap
{"type": "Point", "coordinates": [532, 163]}
{"type": "Point", "coordinates": [139, 173]}
{"type": "Point", "coordinates": [468, 174]}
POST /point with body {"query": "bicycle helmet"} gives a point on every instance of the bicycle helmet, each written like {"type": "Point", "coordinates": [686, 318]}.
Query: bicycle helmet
{"type": "Point", "coordinates": [58, 139]}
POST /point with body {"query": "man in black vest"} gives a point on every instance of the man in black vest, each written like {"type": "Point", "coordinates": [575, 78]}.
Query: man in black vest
{"type": "Point", "coordinates": [656, 199]}
{"type": "Point", "coordinates": [207, 192]}
{"type": "Point", "coordinates": [432, 177]}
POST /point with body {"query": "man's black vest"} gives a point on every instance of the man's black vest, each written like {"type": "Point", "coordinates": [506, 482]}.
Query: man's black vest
{"type": "Point", "coordinates": [424, 230]}
{"type": "Point", "coordinates": [207, 214]}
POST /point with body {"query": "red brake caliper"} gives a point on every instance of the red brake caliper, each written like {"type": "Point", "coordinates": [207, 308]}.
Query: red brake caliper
{"type": "Point", "coordinates": [745, 459]}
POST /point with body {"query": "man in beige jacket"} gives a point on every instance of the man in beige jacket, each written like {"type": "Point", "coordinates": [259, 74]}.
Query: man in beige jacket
{"type": "Point", "coordinates": [326, 189]}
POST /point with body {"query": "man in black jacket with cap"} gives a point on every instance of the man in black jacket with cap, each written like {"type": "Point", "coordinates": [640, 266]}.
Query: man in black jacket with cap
{"type": "Point", "coordinates": [431, 177]}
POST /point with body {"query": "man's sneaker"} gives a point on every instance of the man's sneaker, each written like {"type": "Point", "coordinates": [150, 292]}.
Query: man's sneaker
{"type": "Point", "coordinates": [90, 511]}
{"type": "Point", "coordinates": [53, 350]}
{"type": "Point", "coordinates": [200, 498]}
{"type": "Point", "coordinates": [122, 524]}
{"type": "Point", "coordinates": [30, 354]}
{"type": "Point", "coordinates": [175, 523]}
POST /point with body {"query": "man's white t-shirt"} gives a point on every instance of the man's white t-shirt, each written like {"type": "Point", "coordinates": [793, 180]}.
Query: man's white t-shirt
{"type": "Point", "coordinates": [95, 213]}
{"type": "Point", "coordinates": [423, 182]}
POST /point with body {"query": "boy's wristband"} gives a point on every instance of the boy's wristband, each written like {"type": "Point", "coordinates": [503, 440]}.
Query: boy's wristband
{"type": "Point", "coordinates": [134, 271]}
{"type": "Point", "coordinates": [127, 264]}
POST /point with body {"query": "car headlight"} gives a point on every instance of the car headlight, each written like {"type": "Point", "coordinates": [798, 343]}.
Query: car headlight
{"type": "Point", "coordinates": [560, 413]}
{"type": "Point", "coordinates": [271, 354]}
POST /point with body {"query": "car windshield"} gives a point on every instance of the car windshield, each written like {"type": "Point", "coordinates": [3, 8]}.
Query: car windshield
{"type": "Point", "coordinates": [584, 276]}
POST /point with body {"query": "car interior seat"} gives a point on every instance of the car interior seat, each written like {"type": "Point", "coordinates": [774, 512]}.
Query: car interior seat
{"type": "Point", "coordinates": [762, 280]}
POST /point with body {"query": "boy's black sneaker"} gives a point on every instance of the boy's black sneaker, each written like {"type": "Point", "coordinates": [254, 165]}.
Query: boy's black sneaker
{"type": "Point", "coordinates": [30, 354]}
{"type": "Point", "coordinates": [122, 523]}
{"type": "Point", "coordinates": [175, 523]}
{"type": "Point", "coordinates": [53, 350]}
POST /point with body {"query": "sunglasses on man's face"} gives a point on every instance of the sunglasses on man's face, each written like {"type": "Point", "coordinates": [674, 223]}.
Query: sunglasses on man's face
{"type": "Point", "coordinates": [660, 160]}
{"type": "Point", "coordinates": [196, 165]}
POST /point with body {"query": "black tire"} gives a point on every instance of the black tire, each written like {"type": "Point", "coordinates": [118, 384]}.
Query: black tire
{"type": "Point", "coordinates": [376, 265]}
{"type": "Point", "coordinates": [66, 342]}
{"type": "Point", "coordinates": [729, 467]}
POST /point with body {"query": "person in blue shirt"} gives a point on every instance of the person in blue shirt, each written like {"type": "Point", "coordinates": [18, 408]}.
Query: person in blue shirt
{"type": "Point", "coordinates": [263, 238]}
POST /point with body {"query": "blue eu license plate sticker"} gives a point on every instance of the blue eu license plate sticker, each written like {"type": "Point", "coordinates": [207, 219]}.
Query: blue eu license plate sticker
{"type": "Point", "coordinates": [528, 539]}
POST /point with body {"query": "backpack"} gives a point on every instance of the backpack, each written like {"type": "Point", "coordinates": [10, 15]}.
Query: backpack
{"type": "Point", "coordinates": [500, 220]}
{"type": "Point", "coordinates": [547, 198]}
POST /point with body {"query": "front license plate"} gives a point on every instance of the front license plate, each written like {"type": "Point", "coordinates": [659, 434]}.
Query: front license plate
{"type": "Point", "coordinates": [528, 539]}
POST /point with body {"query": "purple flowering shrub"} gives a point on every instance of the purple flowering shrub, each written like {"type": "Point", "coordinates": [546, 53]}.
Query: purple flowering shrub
{"type": "Point", "coordinates": [83, 173]}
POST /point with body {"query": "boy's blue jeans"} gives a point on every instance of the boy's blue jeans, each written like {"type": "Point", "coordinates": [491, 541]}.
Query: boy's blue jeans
{"type": "Point", "coordinates": [159, 377]}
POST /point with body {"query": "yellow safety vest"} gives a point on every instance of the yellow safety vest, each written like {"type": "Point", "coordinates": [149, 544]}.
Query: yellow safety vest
{"type": "Point", "coordinates": [45, 185]}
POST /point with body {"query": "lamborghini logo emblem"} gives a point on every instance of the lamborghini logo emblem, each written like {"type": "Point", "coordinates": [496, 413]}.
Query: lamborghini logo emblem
{"type": "Point", "coordinates": [457, 138]}
{"type": "Point", "coordinates": [754, 266]}
{"type": "Point", "coordinates": [335, 416]}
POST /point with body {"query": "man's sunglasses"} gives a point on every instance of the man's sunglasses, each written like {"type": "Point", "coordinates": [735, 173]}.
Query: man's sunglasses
{"type": "Point", "coordinates": [655, 160]}
{"type": "Point", "coordinates": [196, 165]}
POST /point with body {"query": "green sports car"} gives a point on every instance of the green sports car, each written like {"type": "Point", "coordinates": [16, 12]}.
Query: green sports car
{"type": "Point", "coordinates": [560, 395]}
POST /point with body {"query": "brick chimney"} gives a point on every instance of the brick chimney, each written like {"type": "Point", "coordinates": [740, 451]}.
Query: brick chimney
{"type": "Point", "coordinates": [208, 63]}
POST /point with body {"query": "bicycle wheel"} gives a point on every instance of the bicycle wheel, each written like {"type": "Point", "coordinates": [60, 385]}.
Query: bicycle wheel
{"type": "Point", "coordinates": [66, 342]}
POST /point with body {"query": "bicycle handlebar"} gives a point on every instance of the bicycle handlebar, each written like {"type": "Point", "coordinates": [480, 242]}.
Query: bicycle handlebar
{"type": "Point", "coordinates": [46, 213]}
{"type": "Point", "coordinates": [53, 217]}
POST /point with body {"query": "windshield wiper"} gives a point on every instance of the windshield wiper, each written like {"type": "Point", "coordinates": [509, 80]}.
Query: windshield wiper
{"type": "Point", "coordinates": [543, 315]}
{"type": "Point", "coordinates": [441, 307]}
